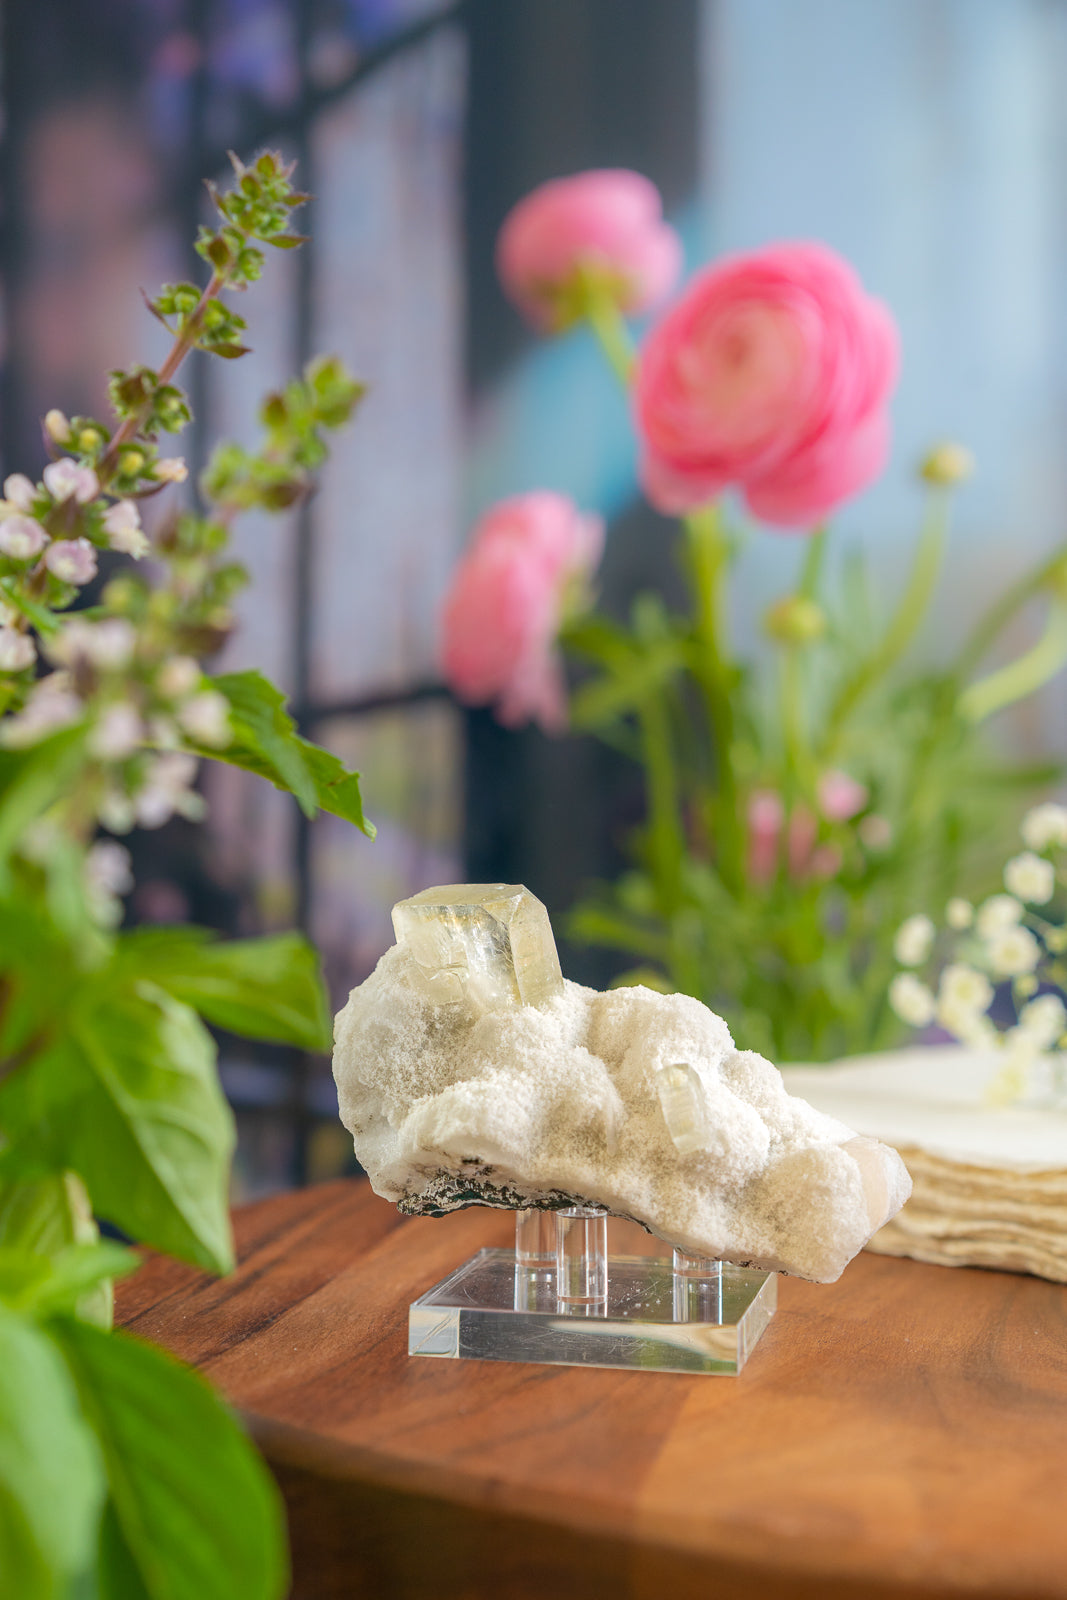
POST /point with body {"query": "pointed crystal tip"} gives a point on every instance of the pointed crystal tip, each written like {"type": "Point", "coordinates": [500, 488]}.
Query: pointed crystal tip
{"type": "Point", "coordinates": [681, 1099]}
{"type": "Point", "coordinates": [489, 944]}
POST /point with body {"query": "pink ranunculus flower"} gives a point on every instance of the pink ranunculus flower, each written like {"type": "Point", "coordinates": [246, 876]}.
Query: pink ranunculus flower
{"type": "Point", "coordinates": [766, 816]}
{"type": "Point", "coordinates": [607, 222]}
{"type": "Point", "coordinates": [503, 611]}
{"type": "Point", "coordinates": [772, 373]}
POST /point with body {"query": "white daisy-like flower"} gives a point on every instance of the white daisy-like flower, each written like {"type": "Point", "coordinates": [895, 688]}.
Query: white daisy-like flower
{"type": "Point", "coordinates": [966, 1024]}
{"type": "Point", "coordinates": [914, 941]}
{"type": "Point", "coordinates": [998, 912]}
{"type": "Point", "coordinates": [1045, 825]}
{"type": "Point", "coordinates": [16, 651]}
{"type": "Point", "coordinates": [959, 913]}
{"type": "Point", "coordinates": [1044, 1020]}
{"type": "Point", "coordinates": [1030, 878]}
{"type": "Point", "coordinates": [911, 1000]}
{"type": "Point", "coordinates": [965, 986]}
{"type": "Point", "coordinates": [1012, 952]}
{"type": "Point", "coordinates": [122, 524]}
{"type": "Point", "coordinates": [66, 480]}
{"type": "Point", "coordinates": [19, 491]}
{"type": "Point", "coordinates": [21, 538]}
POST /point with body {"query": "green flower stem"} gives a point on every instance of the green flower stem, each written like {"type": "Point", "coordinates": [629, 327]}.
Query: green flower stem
{"type": "Point", "coordinates": [799, 765]}
{"type": "Point", "coordinates": [904, 622]}
{"type": "Point", "coordinates": [612, 334]}
{"type": "Point", "coordinates": [811, 571]}
{"type": "Point", "coordinates": [989, 628]}
{"type": "Point", "coordinates": [1021, 677]}
{"type": "Point", "coordinates": [178, 352]}
{"type": "Point", "coordinates": [707, 566]}
{"type": "Point", "coordinates": [666, 839]}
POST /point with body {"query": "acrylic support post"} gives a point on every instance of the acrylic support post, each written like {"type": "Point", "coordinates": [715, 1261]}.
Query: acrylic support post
{"type": "Point", "coordinates": [560, 1298]}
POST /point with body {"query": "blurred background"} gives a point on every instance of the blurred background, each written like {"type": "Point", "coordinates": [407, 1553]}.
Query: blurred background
{"type": "Point", "coordinates": [924, 139]}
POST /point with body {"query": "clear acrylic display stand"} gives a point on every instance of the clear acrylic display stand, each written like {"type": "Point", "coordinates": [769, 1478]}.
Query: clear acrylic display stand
{"type": "Point", "coordinates": [559, 1298]}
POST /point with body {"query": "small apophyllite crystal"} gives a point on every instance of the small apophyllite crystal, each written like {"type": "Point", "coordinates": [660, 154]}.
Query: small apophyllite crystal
{"type": "Point", "coordinates": [469, 1072]}
{"type": "Point", "coordinates": [489, 944]}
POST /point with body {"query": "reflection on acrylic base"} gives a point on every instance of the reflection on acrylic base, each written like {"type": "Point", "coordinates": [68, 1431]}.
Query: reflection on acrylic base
{"type": "Point", "coordinates": [559, 1298]}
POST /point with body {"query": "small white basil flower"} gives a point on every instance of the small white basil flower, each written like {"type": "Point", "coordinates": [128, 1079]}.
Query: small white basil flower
{"type": "Point", "coordinates": [1012, 952]}
{"type": "Point", "coordinates": [118, 733]}
{"type": "Point", "coordinates": [56, 426]}
{"type": "Point", "coordinates": [16, 651]}
{"type": "Point", "coordinates": [206, 718]}
{"type": "Point", "coordinates": [1000, 911]}
{"type": "Point", "coordinates": [169, 790]}
{"type": "Point", "coordinates": [66, 480]}
{"type": "Point", "coordinates": [1030, 877]}
{"type": "Point", "coordinates": [178, 677]}
{"type": "Point", "coordinates": [969, 1026]}
{"type": "Point", "coordinates": [108, 867]}
{"type": "Point", "coordinates": [171, 469]}
{"type": "Point", "coordinates": [911, 1000]}
{"type": "Point", "coordinates": [122, 524]}
{"type": "Point", "coordinates": [914, 941]}
{"type": "Point", "coordinates": [21, 538]}
{"type": "Point", "coordinates": [19, 491]}
{"type": "Point", "coordinates": [1045, 825]}
{"type": "Point", "coordinates": [52, 705]}
{"type": "Point", "coordinates": [71, 560]}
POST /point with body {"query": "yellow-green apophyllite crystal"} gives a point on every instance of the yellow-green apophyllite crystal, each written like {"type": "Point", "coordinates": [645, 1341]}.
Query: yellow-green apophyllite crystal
{"type": "Point", "coordinates": [488, 944]}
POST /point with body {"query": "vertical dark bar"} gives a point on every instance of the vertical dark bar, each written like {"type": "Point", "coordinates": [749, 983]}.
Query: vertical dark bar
{"type": "Point", "coordinates": [303, 555]}
{"type": "Point", "coordinates": [20, 444]}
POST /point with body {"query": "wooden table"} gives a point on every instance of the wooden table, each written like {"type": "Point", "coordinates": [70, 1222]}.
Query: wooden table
{"type": "Point", "coordinates": [902, 1432]}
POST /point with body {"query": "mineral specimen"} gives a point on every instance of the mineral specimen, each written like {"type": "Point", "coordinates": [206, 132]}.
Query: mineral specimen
{"type": "Point", "coordinates": [469, 1072]}
{"type": "Point", "coordinates": [489, 944]}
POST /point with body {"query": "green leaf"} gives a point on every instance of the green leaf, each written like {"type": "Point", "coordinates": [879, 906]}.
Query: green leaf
{"type": "Point", "coordinates": [266, 742]}
{"type": "Point", "coordinates": [128, 1097]}
{"type": "Point", "coordinates": [31, 780]}
{"type": "Point", "coordinates": [199, 1515]}
{"type": "Point", "coordinates": [45, 621]}
{"type": "Point", "coordinates": [51, 1479]}
{"type": "Point", "coordinates": [42, 1285]}
{"type": "Point", "coordinates": [261, 988]}
{"type": "Point", "coordinates": [46, 1213]}
{"type": "Point", "coordinates": [264, 736]}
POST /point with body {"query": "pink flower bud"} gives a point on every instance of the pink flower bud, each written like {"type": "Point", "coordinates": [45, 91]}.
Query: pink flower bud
{"type": "Point", "coordinates": [608, 223]}
{"type": "Point", "coordinates": [19, 491]}
{"type": "Point", "coordinates": [65, 480]}
{"type": "Point", "coordinates": [840, 796]}
{"type": "Point", "coordinates": [16, 651]}
{"type": "Point", "coordinates": [503, 611]}
{"type": "Point", "coordinates": [21, 538]}
{"type": "Point", "coordinates": [71, 560]}
{"type": "Point", "coordinates": [766, 815]}
{"type": "Point", "coordinates": [122, 524]}
{"type": "Point", "coordinates": [771, 373]}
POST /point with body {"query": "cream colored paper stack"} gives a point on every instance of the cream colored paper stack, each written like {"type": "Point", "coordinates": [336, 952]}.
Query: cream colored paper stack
{"type": "Point", "coordinates": [990, 1183]}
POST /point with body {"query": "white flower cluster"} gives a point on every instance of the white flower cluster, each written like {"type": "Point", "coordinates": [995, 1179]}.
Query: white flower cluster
{"type": "Point", "coordinates": [1002, 940]}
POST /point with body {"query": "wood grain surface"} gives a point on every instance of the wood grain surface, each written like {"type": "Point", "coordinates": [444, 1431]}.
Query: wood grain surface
{"type": "Point", "coordinates": [900, 1433]}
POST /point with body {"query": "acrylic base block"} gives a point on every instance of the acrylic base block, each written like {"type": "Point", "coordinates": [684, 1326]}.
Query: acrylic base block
{"type": "Point", "coordinates": [497, 1307]}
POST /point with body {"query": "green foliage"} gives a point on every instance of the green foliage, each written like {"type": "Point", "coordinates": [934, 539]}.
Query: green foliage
{"type": "Point", "coordinates": [51, 1477]}
{"type": "Point", "coordinates": [191, 1511]}
{"type": "Point", "coordinates": [265, 741]}
{"type": "Point", "coordinates": [121, 1476]}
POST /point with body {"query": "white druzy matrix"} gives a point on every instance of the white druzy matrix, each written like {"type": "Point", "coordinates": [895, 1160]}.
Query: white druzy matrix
{"type": "Point", "coordinates": [469, 1071]}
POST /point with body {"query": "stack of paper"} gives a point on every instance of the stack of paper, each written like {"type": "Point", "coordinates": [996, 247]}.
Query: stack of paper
{"type": "Point", "coordinates": [990, 1182]}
